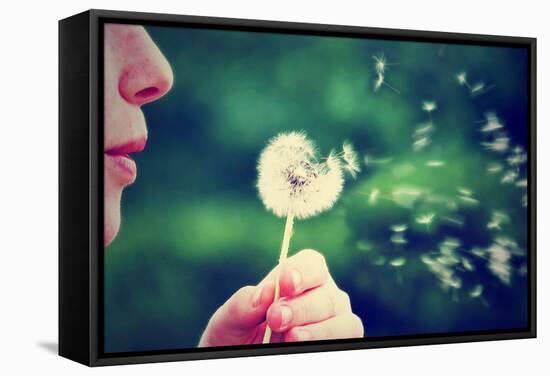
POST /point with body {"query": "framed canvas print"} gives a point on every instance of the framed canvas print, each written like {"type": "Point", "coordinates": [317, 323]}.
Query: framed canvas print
{"type": "Point", "coordinates": [236, 187]}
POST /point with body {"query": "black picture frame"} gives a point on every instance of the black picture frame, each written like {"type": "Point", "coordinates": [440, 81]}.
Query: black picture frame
{"type": "Point", "coordinates": [81, 182]}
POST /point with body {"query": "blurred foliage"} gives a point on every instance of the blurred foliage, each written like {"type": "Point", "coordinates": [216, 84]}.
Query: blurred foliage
{"type": "Point", "coordinates": [194, 229]}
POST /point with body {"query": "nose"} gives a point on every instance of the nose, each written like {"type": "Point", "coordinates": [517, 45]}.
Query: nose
{"type": "Point", "coordinates": [147, 76]}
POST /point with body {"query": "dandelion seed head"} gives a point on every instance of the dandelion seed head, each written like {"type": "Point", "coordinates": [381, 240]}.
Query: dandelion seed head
{"type": "Point", "coordinates": [291, 180]}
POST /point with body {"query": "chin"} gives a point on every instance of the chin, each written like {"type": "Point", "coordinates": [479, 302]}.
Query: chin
{"type": "Point", "coordinates": [111, 211]}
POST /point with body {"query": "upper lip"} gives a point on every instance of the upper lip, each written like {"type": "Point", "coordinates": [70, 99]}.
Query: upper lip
{"type": "Point", "coordinates": [133, 146]}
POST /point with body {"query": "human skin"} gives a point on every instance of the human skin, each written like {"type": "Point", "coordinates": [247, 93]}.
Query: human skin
{"type": "Point", "coordinates": [312, 307]}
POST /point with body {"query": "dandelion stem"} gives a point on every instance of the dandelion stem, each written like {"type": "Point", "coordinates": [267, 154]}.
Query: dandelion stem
{"type": "Point", "coordinates": [282, 258]}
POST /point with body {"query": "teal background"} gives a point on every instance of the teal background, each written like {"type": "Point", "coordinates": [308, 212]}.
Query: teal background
{"type": "Point", "coordinates": [194, 230]}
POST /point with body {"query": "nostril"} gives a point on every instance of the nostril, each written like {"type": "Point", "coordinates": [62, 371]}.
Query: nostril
{"type": "Point", "coordinates": [147, 92]}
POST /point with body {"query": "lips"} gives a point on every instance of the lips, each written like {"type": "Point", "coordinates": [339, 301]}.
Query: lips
{"type": "Point", "coordinates": [119, 162]}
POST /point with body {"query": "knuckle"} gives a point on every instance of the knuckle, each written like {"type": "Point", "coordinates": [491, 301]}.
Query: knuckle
{"type": "Point", "coordinates": [314, 255]}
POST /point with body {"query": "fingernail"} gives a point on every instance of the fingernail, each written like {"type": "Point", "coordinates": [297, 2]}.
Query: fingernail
{"type": "Point", "coordinates": [302, 335]}
{"type": "Point", "coordinates": [257, 297]}
{"type": "Point", "coordinates": [286, 315]}
{"type": "Point", "coordinates": [296, 279]}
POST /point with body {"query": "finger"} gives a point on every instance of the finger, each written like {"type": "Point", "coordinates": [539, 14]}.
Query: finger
{"type": "Point", "coordinates": [246, 308]}
{"type": "Point", "coordinates": [312, 306]}
{"type": "Point", "coordinates": [339, 327]}
{"type": "Point", "coordinates": [305, 270]}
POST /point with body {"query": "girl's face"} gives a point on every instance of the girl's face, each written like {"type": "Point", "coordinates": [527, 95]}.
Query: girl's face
{"type": "Point", "coordinates": [136, 73]}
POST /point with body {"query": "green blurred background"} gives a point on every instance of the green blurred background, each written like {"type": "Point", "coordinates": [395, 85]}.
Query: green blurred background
{"type": "Point", "coordinates": [194, 230]}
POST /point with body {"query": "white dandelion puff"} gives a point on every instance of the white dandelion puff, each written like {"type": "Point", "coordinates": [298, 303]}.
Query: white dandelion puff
{"type": "Point", "coordinates": [293, 183]}
{"type": "Point", "coordinates": [292, 180]}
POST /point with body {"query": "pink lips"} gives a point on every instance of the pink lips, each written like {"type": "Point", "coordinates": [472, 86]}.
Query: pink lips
{"type": "Point", "coordinates": [118, 160]}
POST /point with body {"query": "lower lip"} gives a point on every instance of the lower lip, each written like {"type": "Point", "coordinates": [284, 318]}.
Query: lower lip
{"type": "Point", "coordinates": [124, 167]}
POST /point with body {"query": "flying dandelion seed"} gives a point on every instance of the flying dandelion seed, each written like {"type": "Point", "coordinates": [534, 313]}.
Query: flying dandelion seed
{"type": "Point", "coordinates": [497, 219]}
{"type": "Point", "coordinates": [426, 219]}
{"type": "Point", "coordinates": [494, 168]}
{"type": "Point", "coordinates": [499, 145]}
{"type": "Point", "coordinates": [499, 262]}
{"type": "Point", "coordinates": [467, 264]}
{"type": "Point", "coordinates": [521, 183]}
{"type": "Point", "coordinates": [364, 246]}
{"type": "Point", "coordinates": [406, 196]}
{"type": "Point", "coordinates": [292, 183]}
{"type": "Point", "coordinates": [379, 261]}
{"type": "Point", "coordinates": [351, 163]}
{"type": "Point", "coordinates": [492, 123]}
{"type": "Point", "coordinates": [421, 143]}
{"type": "Point", "coordinates": [477, 89]}
{"type": "Point", "coordinates": [464, 191]}
{"type": "Point", "coordinates": [468, 201]}
{"type": "Point", "coordinates": [455, 221]}
{"type": "Point", "coordinates": [435, 163]}
{"type": "Point", "coordinates": [380, 67]}
{"type": "Point", "coordinates": [509, 177]}
{"type": "Point", "coordinates": [399, 227]}
{"type": "Point", "coordinates": [517, 158]}
{"type": "Point", "coordinates": [476, 291]}
{"type": "Point", "coordinates": [461, 77]}
{"type": "Point", "coordinates": [373, 196]}
{"type": "Point", "coordinates": [398, 238]}
{"type": "Point", "coordinates": [429, 106]}
{"type": "Point", "coordinates": [369, 160]}
{"type": "Point", "coordinates": [397, 262]}
{"type": "Point", "coordinates": [423, 130]}
{"type": "Point", "coordinates": [524, 201]}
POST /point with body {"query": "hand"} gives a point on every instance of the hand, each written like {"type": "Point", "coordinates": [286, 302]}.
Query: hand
{"type": "Point", "coordinates": [311, 307]}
